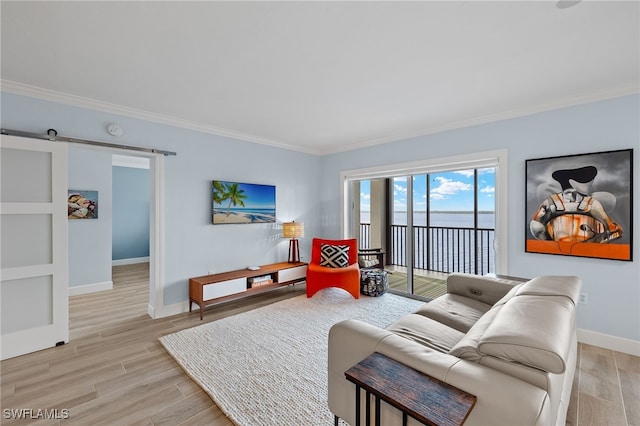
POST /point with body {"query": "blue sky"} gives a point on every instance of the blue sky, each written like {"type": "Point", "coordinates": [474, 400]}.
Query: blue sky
{"type": "Point", "coordinates": [258, 196]}
{"type": "Point", "coordinates": [451, 191]}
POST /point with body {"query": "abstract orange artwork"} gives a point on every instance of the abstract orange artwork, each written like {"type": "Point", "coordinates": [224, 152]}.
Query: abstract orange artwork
{"type": "Point", "coordinates": [580, 205]}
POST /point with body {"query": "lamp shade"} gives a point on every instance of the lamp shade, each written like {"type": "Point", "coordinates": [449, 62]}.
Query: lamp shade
{"type": "Point", "coordinates": [292, 229]}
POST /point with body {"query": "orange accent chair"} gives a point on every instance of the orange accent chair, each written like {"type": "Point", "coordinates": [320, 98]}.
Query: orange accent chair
{"type": "Point", "coordinates": [347, 278]}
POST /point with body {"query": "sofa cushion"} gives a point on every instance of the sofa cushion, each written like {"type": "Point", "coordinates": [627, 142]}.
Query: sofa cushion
{"type": "Point", "coordinates": [552, 285]}
{"type": "Point", "coordinates": [467, 347]}
{"type": "Point", "coordinates": [426, 331]}
{"type": "Point", "coordinates": [531, 330]}
{"type": "Point", "coordinates": [509, 295]}
{"type": "Point", "coordinates": [334, 256]}
{"type": "Point", "coordinates": [485, 289]}
{"type": "Point", "coordinates": [453, 310]}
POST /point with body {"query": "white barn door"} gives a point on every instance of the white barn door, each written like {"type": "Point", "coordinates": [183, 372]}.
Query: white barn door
{"type": "Point", "coordinates": [34, 295]}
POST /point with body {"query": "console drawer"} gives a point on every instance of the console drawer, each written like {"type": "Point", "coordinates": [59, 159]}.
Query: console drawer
{"type": "Point", "coordinates": [224, 288]}
{"type": "Point", "coordinates": [292, 274]}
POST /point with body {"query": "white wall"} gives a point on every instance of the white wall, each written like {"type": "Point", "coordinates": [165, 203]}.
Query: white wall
{"type": "Point", "coordinates": [613, 286]}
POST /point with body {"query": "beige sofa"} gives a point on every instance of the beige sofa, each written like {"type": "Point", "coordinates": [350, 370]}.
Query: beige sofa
{"type": "Point", "coordinates": [511, 344]}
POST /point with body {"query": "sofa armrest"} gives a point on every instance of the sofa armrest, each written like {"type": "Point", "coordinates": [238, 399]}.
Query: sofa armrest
{"type": "Point", "coordinates": [485, 289]}
{"type": "Point", "coordinates": [351, 341]}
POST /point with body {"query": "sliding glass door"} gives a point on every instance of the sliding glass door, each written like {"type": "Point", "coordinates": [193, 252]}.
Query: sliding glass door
{"type": "Point", "coordinates": [431, 224]}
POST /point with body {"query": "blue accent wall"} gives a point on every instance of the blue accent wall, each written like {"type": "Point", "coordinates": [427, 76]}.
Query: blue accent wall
{"type": "Point", "coordinates": [130, 232]}
{"type": "Point", "coordinates": [90, 239]}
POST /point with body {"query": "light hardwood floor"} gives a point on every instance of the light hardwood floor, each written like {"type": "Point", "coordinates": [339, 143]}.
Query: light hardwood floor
{"type": "Point", "coordinates": [114, 371]}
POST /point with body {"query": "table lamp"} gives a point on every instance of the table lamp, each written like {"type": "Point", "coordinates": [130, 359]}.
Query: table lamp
{"type": "Point", "coordinates": [293, 230]}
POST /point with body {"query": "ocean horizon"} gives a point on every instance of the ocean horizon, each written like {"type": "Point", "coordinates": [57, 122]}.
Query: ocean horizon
{"type": "Point", "coordinates": [450, 219]}
{"type": "Point", "coordinates": [267, 212]}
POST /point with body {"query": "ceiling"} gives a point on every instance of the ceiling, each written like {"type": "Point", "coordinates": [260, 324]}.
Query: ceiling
{"type": "Point", "coordinates": [321, 77]}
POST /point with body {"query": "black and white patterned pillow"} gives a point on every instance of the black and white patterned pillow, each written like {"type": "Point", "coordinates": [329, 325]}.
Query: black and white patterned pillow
{"type": "Point", "coordinates": [334, 256]}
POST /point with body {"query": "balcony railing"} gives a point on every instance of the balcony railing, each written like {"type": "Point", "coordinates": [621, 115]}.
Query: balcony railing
{"type": "Point", "coordinates": [441, 249]}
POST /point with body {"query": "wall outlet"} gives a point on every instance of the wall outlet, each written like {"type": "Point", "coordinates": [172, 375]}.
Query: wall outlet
{"type": "Point", "coordinates": [584, 298]}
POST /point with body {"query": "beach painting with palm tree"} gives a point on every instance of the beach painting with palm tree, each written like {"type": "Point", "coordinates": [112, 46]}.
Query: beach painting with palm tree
{"type": "Point", "coordinates": [235, 202]}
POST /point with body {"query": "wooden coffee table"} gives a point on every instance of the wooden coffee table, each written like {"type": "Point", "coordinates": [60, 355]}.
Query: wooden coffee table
{"type": "Point", "coordinates": [416, 394]}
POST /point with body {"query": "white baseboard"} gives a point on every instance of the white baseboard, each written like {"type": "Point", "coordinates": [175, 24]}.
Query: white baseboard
{"type": "Point", "coordinates": [170, 310]}
{"type": "Point", "coordinates": [90, 288]}
{"type": "Point", "coordinates": [607, 341]}
{"type": "Point", "coordinates": [130, 261]}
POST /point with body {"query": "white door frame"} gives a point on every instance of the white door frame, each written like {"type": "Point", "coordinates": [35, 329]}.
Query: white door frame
{"type": "Point", "coordinates": [155, 306]}
{"type": "Point", "coordinates": [156, 238]}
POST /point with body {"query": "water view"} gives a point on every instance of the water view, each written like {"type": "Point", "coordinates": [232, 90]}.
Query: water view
{"type": "Point", "coordinates": [445, 219]}
{"type": "Point", "coordinates": [450, 244]}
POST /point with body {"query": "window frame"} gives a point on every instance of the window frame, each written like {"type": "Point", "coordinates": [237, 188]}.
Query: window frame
{"type": "Point", "coordinates": [497, 159]}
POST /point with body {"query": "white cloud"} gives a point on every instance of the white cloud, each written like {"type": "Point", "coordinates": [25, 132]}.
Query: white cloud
{"type": "Point", "coordinates": [399, 188]}
{"type": "Point", "coordinates": [448, 187]}
{"type": "Point", "coordinates": [465, 173]}
{"type": "Point", "coordinates": [488, 189]}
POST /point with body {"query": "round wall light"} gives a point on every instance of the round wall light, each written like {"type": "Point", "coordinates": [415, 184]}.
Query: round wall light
{"type": "Point", "coordinates": [115, 129]}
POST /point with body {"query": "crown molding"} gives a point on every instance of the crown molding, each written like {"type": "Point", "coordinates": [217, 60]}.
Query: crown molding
{"type": "Point", "coordinates": [82, 102]}
{"type": "Point", "coordinates": [614, 92]}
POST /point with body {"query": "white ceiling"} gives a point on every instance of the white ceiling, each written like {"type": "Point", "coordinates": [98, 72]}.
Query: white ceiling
{"type": "Point", "coordinates": [321, 77]}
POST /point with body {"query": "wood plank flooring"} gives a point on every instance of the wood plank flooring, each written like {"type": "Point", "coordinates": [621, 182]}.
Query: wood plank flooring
{"type": "Point", "coordinates": [114, 371]}
{"type": "Point", "coordinates": [429, 284]}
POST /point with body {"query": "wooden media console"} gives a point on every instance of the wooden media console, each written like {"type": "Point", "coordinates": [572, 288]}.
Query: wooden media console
{"type": "Point", "coordinates": [216, 288]}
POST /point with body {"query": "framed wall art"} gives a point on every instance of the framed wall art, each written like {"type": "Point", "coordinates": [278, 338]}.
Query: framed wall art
{"type": "Point", "coordinates": [82, 204]}
{"type": "Point", "coordinates": [580, 205]}
{"type": "Point", "coordinates": [236, 202]}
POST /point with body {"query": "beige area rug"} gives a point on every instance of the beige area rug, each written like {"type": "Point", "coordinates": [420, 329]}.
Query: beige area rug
{"type": "Point", "coordinates": [268, 366]}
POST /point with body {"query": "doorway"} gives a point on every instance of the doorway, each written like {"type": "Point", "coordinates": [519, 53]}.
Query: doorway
{"type": "Point", "coordinates": [130, 246]}
{"type": "Point", "coordinates": [100, 174]}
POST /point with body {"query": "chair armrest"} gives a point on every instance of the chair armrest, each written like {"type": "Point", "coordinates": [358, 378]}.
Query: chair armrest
{"type": "Point", "coordinates": [365, 256]}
